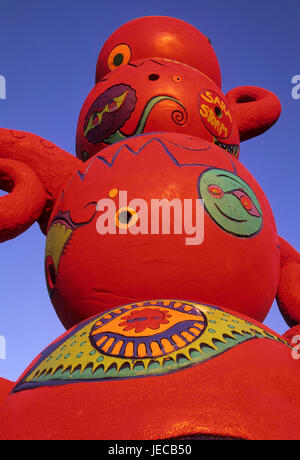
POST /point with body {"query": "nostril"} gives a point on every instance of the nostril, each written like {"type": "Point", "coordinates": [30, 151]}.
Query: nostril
{"type": "Point", "coordinates": [153, 76]}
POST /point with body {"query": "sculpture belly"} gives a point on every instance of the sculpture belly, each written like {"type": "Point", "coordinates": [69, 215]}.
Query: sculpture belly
{"type": "Point", "coordinates": [157, 370]}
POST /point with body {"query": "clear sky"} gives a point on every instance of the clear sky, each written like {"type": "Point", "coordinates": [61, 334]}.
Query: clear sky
{"type": "Point", "coordinates": [48, 53]}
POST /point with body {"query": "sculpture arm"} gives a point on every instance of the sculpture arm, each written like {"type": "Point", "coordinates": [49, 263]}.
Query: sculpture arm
{"type": "Point", "coordinates": [33, 171]}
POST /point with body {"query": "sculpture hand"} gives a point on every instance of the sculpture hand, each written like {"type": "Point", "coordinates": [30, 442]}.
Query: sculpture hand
{"type": "Point", "coordinates": [33, 171]}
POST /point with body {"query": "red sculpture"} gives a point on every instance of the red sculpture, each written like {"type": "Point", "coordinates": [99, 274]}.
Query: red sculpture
{"type": "Point", "coordinates": [154, 129]}
{"type": "Point", "coordinates": [161, 84]}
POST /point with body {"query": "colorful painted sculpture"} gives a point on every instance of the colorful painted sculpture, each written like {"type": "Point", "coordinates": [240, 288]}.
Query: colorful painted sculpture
{"type": "Point", "coordinates": [165, 336]}
{"type": "Point", "coordinates": [155, 95]}
{"type": "Point", "coordinates": [161, 84]}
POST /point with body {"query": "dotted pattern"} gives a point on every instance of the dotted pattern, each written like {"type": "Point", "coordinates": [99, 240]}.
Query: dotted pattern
{"type": "Point", "coordinates": [77, 357]}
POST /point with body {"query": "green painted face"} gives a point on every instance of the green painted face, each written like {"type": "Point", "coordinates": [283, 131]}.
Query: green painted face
{"type": "Point", "coordinates": [230, 202]}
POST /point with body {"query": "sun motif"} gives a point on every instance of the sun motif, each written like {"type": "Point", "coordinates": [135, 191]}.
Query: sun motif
{"type": "Point", "coordinates": [140, 320]}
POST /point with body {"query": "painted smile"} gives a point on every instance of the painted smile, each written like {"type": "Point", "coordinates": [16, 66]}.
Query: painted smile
{"type": "Point", "coordinates": [228, 217]}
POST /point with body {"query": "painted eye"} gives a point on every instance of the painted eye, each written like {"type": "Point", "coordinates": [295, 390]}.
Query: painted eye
{"type": "Point", "coordinates": [115, 98]}
{"type": "Point", "coordinates": [119, 56]}
{"type": "Point", "coordinates": [95, 119]}
{"type": "Point", "coordinates": [246, 202]}
{"type": "Point", "coordinates": [112, 106]}
{"type": "Point", "coordinates": [215, 191]}
{"type": "Point", "coordinates": [230, 202]}
{"type": "Point", "coordinates": [126, 217]}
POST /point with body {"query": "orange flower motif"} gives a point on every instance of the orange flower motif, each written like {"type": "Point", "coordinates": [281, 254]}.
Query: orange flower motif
{"type": "Point", "coordinates": [140, 320]}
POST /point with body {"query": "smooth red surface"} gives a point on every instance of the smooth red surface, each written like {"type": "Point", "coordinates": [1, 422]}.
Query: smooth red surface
{"type": "Point", "coordinates": [249, 392]}
{"type": "Point", "coordinates": [5, 387]}
{"type": "Point", "coordinates": [175, 80]}
{"type": "Point", "coordinates": [288, 295]}
{"type": "Point", "coordinates": [162, 37]}
{"type": "Point", "coordinates": [98, 272]}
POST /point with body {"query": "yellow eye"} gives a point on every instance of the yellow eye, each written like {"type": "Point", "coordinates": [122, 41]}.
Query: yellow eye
{"type": "Point", "coordinates": [126, 217]}
{"type": "Point", "coordinates": [119, 56]}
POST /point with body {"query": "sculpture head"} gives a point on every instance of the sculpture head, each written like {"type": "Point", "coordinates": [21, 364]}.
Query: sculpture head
{"type": "Point", "coordinates": [154, 67]}
{"type": "Point", "coordinates": [155, 95]}
{"type": "Point", "coordinates": [106, 248]}
{"type": "Point", "coordinates": [158, 37]}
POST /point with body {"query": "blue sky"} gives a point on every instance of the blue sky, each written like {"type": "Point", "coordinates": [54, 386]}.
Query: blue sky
{"type": "Point", "coordinates": [48, 53]}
